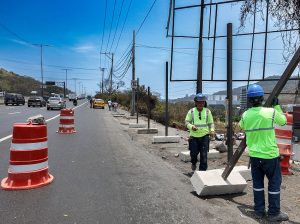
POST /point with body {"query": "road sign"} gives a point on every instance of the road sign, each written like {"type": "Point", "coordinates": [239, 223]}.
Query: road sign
{"type": "Point", "coordinates": [50, 83]}
{"type": "Point", "coordinates": [133, 84]}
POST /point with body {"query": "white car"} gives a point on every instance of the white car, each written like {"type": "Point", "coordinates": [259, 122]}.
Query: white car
{"type": "Point", "coordinates": [55, 103]}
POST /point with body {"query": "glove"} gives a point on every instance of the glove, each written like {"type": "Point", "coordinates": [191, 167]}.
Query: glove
{"type": "Point", "coordinates": [212, 136]}
{"type": "Point", "coordinates": [275, 101]}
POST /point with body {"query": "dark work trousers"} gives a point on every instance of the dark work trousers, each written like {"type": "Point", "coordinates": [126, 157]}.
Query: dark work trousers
{"type": "Point", "coordinates": [270, 168]}
{"type": "Point", "coordinates": [196, 146]}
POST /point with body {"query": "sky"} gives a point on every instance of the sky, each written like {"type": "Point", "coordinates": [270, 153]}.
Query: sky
{"type": "Point", "coordinates": [72, 32]}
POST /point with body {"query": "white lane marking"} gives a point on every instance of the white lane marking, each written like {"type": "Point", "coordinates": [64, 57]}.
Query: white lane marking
{"type": "Point", "coordinates": [14, 113]}
{"type": "Point", "coordinates": [5, 138]}
{"type": "Point", "coordinates": [52, 118]}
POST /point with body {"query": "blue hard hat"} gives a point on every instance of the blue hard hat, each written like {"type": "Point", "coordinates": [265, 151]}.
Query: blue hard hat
{"type": "Point", "coordinates": [255, 90]}
{"type": "Point", "coordinates": [200, 97]}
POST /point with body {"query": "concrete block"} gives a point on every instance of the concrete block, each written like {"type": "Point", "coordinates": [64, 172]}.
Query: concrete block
{"type": "Point", "coordinates": [147, 131]}
{"type": "Point", "coordinates": [118, 115]}
{"type": "Point", "coordinates": [212, 154]}
{"type": "Point", "coordinates": [166, 139]}
{"type": "Point", "coordinates": [296, 152]}
{"type": "Point", "coordinates": [244, 171]}
{"type": "Point", "coordinates": [124, 123]}
{"type": "Point", "coordinates": [211, 182]}
{"type": "Point", "coordinates": [185, 156]}
{"type": "Point", "coordinates": [131, 117]}
{"type": "Point", "coordinates": [133, 125]}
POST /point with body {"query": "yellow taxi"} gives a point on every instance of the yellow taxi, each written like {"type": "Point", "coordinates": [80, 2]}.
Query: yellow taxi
{"type": "Point", "coordinates": [98, 103]}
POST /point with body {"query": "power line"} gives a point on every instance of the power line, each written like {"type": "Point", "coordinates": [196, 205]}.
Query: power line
{"type": "Point", "coordinates": [112, 20]}
{"type": "Point", "coordinates": [14, 34]}
{"type": "Point", "coordinates": [123, 25]}
{"type": "Point", "coordinates": [103, 30]}
{"type": "Point", "coordinates": [117, 26]}
{"type": "Point", "coordinates": [140, 27]}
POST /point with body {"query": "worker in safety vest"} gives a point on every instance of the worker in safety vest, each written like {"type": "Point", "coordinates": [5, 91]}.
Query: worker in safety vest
{"type": "Point", "coordinates": [200, 124]}
{"type": "Point", "coordinates": [258, 124]}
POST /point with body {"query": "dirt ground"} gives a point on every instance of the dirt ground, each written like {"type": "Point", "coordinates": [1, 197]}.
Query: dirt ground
{"type": "Point", "coordinates": [168, 152]}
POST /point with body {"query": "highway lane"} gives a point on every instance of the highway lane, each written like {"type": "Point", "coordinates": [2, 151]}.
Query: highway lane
{"type": "Point", "coordinates": [101, 176]}
{"type": "Point", "coordinates": [19, 114]}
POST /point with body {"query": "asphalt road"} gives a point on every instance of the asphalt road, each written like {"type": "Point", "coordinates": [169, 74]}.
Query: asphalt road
{"type": "Point", "coordinates": [101, 176]}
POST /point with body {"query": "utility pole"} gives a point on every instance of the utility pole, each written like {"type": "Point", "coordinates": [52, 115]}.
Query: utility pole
{"type": "Point", "coordinates": [66, 69]}
{"type": "Point", "coordinates": [200, 51]}
{"type": "Point", "coordinates": [102, 82]}
{"type": "Point", "coordinates": [42, 75]}
{"type": "Point", "coordinates": [111, 72]}
{"type": "Point", "coordinates": [111, 69]}
{"type": "Point", "coordinates": [133, 83]}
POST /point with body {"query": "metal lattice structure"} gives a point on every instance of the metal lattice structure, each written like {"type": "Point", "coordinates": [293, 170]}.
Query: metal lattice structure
{"type": "Point", "coordinates": [256, 40]}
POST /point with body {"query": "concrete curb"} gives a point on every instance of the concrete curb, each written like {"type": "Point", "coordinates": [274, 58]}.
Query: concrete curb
{"type": "Point", "coordinates": [166, 139]}
{"type": "Point", "coordinates": [133, 125]}
{"type": "Point", "coordinates": [147, 131]}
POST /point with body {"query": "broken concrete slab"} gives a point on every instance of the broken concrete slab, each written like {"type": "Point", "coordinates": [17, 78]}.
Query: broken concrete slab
{"type": "Point", "coordinates": [133, 125]}
{"type": "Point", "coordinates": [147, 131]}
{"type": "Point", "coordinates": [212, 154]}
{"type": "Point", "coordinates": [210, 182]}
{"type": "Point", "coordinates": [165, 139]}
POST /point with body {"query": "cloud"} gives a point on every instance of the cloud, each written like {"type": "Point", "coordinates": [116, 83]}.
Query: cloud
{"type": "Point", "coordinates": [85, 48]}
{"type": "Point", "coordinates": [20, 42]}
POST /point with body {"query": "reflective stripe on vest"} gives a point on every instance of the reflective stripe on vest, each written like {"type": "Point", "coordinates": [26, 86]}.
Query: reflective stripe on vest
{"type": "Point", "coordinates": [193, 119]}
{"type": "Point", "coordinates": [27, 168]}
{"type": "Point", "coordinates": [264, 129]}
{"type": "Point", "coordinates": [28, 146]}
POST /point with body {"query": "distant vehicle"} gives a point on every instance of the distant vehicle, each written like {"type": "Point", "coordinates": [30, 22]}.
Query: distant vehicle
{"type": "Point", "coordinates": [36, 101]}
{"type": "Point", "coordinates": [72, 96]}
{"type": "Point", "coordinates": [89, 97]}
{"type": "Point", "coordinates": [220, 137]}
{"type": "Point", "coordinates": [55, 103]}
{"type": "Point", "coordinates": [98, 103]}
{"type": "Point", "coordinates": [14, 99]}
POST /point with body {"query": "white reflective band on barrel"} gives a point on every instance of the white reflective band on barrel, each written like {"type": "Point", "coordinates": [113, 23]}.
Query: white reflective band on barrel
{"type": "Point", "coordinates": [28, 146]}
{"type": "Point", "coordinates": [66, 117]}
{"type": "Point", "coordinates": [285, 127]}
{"type": "Point", "coordinates": [283, 141]}
{"type": "Point", "coordinates": [67, 125]}
{"type": "Point", "coordinates": [27, 168]}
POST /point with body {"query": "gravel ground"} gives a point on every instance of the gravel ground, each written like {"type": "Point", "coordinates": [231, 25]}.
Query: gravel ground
{"type": "Point", "coordinates": [168, 152]}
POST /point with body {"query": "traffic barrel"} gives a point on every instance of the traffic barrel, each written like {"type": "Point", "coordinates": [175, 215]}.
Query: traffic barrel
{"type": "Point", "coordinates": [284, 142]}
{"type": "Point", "coordinates": [28, 166]}
{"type": "Point", "coordinates": [66, 122]}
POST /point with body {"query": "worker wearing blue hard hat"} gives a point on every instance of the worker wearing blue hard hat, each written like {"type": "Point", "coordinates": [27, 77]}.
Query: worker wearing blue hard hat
{"type": "Point", "coordinates": [258, 123]}
{"type": "Point", "coordinates": [200, 124]}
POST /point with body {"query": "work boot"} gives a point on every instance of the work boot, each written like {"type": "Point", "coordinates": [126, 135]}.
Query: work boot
{"type": "Point", "coordinates": [193, 167]}
{"type": "Point", "coordinates": [259, 215]}
{"type": "Point", "coordinates": [278, 218]}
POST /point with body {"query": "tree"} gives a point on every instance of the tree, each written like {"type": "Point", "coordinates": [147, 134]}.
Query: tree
{"type": "Point", "coordinates": [287, 16]}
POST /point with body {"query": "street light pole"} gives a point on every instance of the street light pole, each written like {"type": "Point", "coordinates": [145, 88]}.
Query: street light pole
{"type": "Point", "coordinates": [42, 75]}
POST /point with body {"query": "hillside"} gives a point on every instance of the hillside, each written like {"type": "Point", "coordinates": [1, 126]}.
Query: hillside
{"type": "Point", "coordinates": [268, 86]}
{"type": "Point", "coordinates": [14, 83]}
{"type": "Point", "coordinates": [288, 96]}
